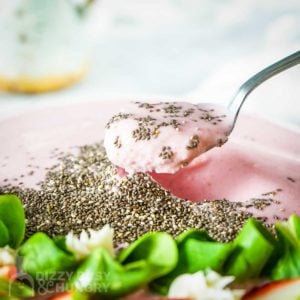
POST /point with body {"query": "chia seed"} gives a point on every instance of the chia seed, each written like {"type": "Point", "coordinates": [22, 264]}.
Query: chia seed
{"type": "Point", "coordinates": [117, 117]}
{"type": "Point", "coordinates": [193, 142]}
{"type": "Point", "coordinates": [188, 112]}
{"type": "Point", "coordinates": [262, 203]}
{"type": "Point", "coordinates": [117, 142]}
{"type": "Point", "coordinates": [291, 179]}
{"type": "Point", "coordinates": [172, 109]}
{"type": "Point", "coordinates": [84, 191]}
{"type": "Point", "coordinates": [145, 105]}
{"type": "Point", "coordinates": [141, 133]}
{"type": "Point", "coordinates": [166, 153]}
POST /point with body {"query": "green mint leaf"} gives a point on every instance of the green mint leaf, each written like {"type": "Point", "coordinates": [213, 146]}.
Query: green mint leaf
{"type": "Point", "coordinates": [158, 249]}
{"type": "Point", "coordinates": [42, 257]}
{"type": "Point", "coordinates": [197, 251]}
{"type": "Point", "coordinates": [288, 264]}
{"type": "Point", "coordinates": [13, 217]}
{"type": "Point", "coordinates": [14, 290]}
{"type": "Point", "coordinates": [102, 275]}
{"type": "Point", "coordinates": [253, 248]}
{"type": "Point", "coordinates": [4, 235]}
{"type": "Point", "coordinates": [149, 257]}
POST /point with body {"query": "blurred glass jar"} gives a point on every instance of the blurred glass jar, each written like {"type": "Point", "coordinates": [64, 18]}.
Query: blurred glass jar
{"type": "Point", "coordinates": [43, 44]}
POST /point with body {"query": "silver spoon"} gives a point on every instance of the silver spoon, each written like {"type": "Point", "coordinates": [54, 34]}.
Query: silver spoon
{"type": "Point", "coordinates": [247, 87]}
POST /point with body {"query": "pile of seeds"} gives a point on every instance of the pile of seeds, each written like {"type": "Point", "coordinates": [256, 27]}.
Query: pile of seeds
{"type": "Point", "coordinates": [85, 191]}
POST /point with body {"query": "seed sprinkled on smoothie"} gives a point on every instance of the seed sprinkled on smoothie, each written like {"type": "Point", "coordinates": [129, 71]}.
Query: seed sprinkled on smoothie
{"type": "Point", "coordinates": [117, 142]}
{"type": "Point", "coordinates": [145, 105]}
{"type": "Point", "coordinates": [291, 179]}
{"type": "Point", "coordinates": [188, 112]}
{"type": "Point", "coordinates": [117, 117]}
{"type": "Point", "coordinates": [156, 132]}
{"type": "Point", "coordinates": [172, 109]}
{"type": "Point", "coordinates": [84, 191]}
{"type": "Point", "coordinates": [193, 142]}
{"type": "Point", "coordinates": [166, 153]}
{"type": "Point", "coordinates": [141, 133]}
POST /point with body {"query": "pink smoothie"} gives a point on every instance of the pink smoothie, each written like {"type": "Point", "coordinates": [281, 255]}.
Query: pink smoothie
{"type": "Point", "coordinates": [260, 160]}
{"type": "Point", "coordinates": [164, 137]}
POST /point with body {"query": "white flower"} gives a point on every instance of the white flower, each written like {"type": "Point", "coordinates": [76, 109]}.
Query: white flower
{"type": "Point", "coordinates": [205, 286]}
{"type": "Point", "coordinates": [83, 245]}
{"type": "Point", "coordinates": [7, 256]}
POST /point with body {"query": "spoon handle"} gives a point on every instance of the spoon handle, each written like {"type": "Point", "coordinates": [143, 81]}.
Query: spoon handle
{"type": "Point", "coordinates": [247, 87]}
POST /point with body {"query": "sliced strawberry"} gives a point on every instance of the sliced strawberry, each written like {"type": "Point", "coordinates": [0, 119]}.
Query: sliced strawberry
{"type": "Point", "coordinates": [68, 296]}
{"type": "Point", "coordinates": [63, 296]}
{"type": "Point", "coordinates": [8, 272]}
{"type": "Point", "coordinates": [288, 289]}
{"type": "Point", "coordinates": [145, 295]}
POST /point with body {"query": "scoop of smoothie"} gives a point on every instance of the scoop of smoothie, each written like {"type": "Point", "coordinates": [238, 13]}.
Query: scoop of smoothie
{"type": "Point", "coordinates": [166, 136]}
